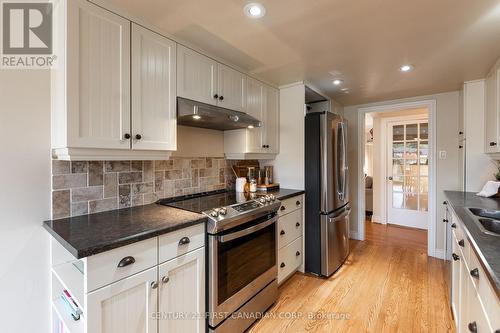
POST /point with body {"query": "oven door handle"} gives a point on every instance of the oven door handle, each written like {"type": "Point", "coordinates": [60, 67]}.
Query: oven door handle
{"type": "Point", "coordinates": [247, 231]}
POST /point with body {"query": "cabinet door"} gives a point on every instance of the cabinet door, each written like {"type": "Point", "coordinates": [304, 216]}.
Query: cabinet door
{"type": "Point", "coordinates": [455, 280]}
{"type": "Point", "coordinates": [153, 90]}
{"type": "Point", "coordinates": [182, 293]}
{"type": "Point", "coordinates": [271, 120]}
{"type": "Point", "coordinates": [231, 88]}
{"type": "Point", "coordinates": [476, 318]}
{"type": "Point", "coordinates": [492, 112]}
{"type": "Point", "coordinates": [255, 107]}
{"type": "Point", "coordinates": [98, 77]}
{"type": "Point", "coordinates": [126, 306]}
{"type": "Point", "coordinates": [196, 76]}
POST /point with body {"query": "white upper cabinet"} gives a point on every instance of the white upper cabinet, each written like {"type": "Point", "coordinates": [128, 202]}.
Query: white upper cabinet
{"type": "Point", "coordinates": [153, 91]}
{"type": "Point", "coordinates": [98, 77]}
{"type": "Point", "coordinates": [492, 141]}
{"type": "Point", "coordinates": [196, 76]}
{"type": "Point", "coordinates": [182, 291]}
{"type": "Point", "coordinates": [101, 68]}
{"type": "Point", "coordinates": [231, 88]}
{"type": "Point", "coordinates": [271, 121]}
{"type": "Point", "coordinates": [255, 108]}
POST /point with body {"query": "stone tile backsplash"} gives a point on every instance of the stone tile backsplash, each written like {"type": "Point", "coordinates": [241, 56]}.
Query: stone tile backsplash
{"type": "Point", "coordinates": [81, 187]}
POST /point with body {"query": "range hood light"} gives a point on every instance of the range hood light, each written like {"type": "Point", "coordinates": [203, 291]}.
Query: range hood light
{"type": "Point", "coordinates": [250, 126]}
{"type": "Point", "coordinates": [196, 116]}
{"type": "Point", "coordinates": [234, 118]}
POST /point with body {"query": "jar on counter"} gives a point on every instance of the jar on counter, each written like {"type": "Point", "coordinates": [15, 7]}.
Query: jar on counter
{"type": "Point", "coordinates": [253, 185]}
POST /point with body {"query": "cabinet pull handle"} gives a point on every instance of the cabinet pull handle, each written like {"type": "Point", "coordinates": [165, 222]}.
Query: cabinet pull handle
{"type": "Point", "coordinates": [126, 261]}
{"type": "Point", "coordinates": [297, 253]}
{"type": "Point", "coordinates": [282, 232]}
{"type": "Point", "coordinates": [472, 327]}
{"type": "Point", "coordinates": [445, 220]}
{"type": "Point", "coordinates": [297, 203]}
{"type": "Point", "coordinates": [475, 273]}
{"type": "Point", "coordinates": [493, 144]}
{"type": "Point", "coordinates": [297, 224]}
{"type": "Point", "coordinates": [165, 279]}
{"type": "Point", "coordinates": [461, 243]}
{"type": "Point", "coordinates": [282, 208]}
{"type": "Point", "coordinates": [184, 241]}
{"type": "Point", "coordinates": [216, 96]}
{"type": "Point", "coordinates": [455, 256]}
{"type": "Point", "coordinates": [282, 265]}
{"type": "Point", "coordinates": [126, 136]}
{"type": "Point", "coordinates": [138, 136]}
{"type": "Point", "coordinates": [154, 285]}
{"type": "Point", "coordinates": [453, 225]}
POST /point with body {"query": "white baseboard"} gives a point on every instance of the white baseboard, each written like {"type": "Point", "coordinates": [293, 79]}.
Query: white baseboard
{"type": "Point", "coordinates": [378, 219]}
{"type": "Point", "coordinates": [354, 235]}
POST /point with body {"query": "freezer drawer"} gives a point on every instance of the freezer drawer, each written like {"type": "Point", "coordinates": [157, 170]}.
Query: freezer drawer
{"type": "Point", "coordinates": [334, 241]}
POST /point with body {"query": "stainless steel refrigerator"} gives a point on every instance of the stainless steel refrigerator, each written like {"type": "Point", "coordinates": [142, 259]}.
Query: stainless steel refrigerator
{"type": "Point", "coordinates": [327, 197]}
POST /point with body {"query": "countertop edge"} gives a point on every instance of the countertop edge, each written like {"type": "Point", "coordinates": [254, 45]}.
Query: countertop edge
{"type": "Point", "coordinates": [494, 280]}
{"type": "Point", "coordinates": [87, 252]}
{"type": "Point", "coordinates": [288, 195]}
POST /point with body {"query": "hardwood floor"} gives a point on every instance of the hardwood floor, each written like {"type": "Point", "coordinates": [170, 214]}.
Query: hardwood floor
{"type": "Point", "coordinates": [384, 286]}
{"type": "Point", "coordinates": [394, 235]}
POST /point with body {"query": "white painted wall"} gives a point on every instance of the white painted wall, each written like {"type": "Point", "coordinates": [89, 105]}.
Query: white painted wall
{"type": "Point", "coordinates": [24, 200]}
{"type": "Point", "coordinates": [447, 114]}
{"type": "Point", "coordinates": [289, 164]}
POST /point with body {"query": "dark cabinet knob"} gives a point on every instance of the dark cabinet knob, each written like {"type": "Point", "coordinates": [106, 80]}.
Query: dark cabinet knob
{"type": "Point", "coordinates": [460, 147]}
{"type": "Point", "coordinates": [475, 273]}
{"type": "Point", "coordinates": [297, 224]}
{"type": "Point", "coordinates": [445, 220]}
{"type": "Point", "coordinates": [221, 98]}
{"type": "Point", "coordinates": [493, 144]}
{"type": "Point", "coordinates": [282, 232]}
{"type": "Point", "coordinates": [453, 225]}
{"type": "Point", "coordinates": [126, 261]}
{"type": "Point", "coordinates": [263, 146]}
{"type": "Point", "coordinates": [282, 208]}
{"type": "Point", "coordinates": [138, 136]}
{"type": "Point", "coordinates": [126, 136]}
{"type": "Point", "coordinates": [297, 253]}
{"type": "Point", "coordinates": [445, 203]}
{"type": "Point", "coordinates": [460, 132]}
{"type": "Point", "coordinates": [216, 96]}
{"type": "Point", "coordinates": [297, 203]}
{"type": "Point", "coordinates": [455, 256]}
{"type": "Point", "coordinates": [472, 327]}
{"type": "Point", "coordinates": [184, 241]}
{"type": "Point", "coordinates": [461, 243]}
{"type": "Point", "coordinates": [267, 146]}
{"type": "Point", "coordinates": [282, 265]}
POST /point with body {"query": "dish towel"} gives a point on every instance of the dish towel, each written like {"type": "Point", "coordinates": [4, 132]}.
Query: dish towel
{"type": "Point", "coordinates": [489, 189]}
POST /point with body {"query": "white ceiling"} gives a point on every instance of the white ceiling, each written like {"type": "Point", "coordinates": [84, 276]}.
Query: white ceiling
{"type": "Point", "coordinates": [361, 41]}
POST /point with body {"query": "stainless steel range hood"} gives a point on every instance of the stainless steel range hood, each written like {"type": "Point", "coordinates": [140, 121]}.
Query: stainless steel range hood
{"type": "Point", "coordinates": [196, 114]}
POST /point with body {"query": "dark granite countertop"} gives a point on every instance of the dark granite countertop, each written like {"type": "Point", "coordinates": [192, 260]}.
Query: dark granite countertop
{"type": "Point", "coordinates": [86, 235]}
{"type": "Point", "coordinates": [285, 193]}
{"type": "Point", "coordinates": [487, 247]}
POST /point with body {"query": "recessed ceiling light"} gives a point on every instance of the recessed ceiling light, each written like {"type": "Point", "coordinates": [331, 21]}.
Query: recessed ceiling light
{"type": "Point", "coordinates": [406, 68]}
{"type": "Point", "coordinates": [337, 82]}
{"type": "Point", "coordinates": [254, 10]}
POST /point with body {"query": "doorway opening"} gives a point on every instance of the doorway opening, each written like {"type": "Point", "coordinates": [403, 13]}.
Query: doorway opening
{"type": "Point", "coordinates": [397, 175]}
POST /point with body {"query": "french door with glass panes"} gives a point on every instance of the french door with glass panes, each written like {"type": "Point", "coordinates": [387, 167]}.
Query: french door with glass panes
{"type": "Point", "coordinates": [408, 173]}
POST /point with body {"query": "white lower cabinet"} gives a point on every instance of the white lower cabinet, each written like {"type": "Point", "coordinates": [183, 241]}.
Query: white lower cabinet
{"type": "Point", "coordinates": [181, 294]}
{"type": "Point", "coordinates": [474, 303]}
{"type": "Point", "coordinates": [126, 306]}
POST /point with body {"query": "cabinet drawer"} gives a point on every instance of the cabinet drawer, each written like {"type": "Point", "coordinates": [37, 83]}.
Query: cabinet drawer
{"type": "Point", "coordinates": [290, 204]}
{"type": "Point", "coordinates": [178, 242]}
{"type": "Point", "coordinates": [289, 259]}
{"type": "Point", "coordinates": [475, 314]}
{"type": "Point", "coordinates": [485, 290]}
{"type": "Point", "coordinates": [289, 227]}
{"type": "Point", "coordinates": [107, 267]}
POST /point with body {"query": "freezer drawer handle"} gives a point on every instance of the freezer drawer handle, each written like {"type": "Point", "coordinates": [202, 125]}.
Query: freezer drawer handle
{"type": "Point", "coordinates": [340, 217]}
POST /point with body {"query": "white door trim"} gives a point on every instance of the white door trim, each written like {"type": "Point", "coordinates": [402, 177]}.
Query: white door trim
{"type": "Point", "coordinates": [430, 104]}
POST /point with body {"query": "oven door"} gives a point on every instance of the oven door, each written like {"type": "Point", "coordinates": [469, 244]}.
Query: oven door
{"type": "Point", "coordinates": [242, 263]}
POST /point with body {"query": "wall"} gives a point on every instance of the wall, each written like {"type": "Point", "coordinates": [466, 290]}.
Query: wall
{"type": "Point", "coordinates": [193, 141]}
{"type": "Point", "coordinates": [83, 187]}
{"type": "Point", "coordinates": [447, 114]}
{"type": "Point", "coordinates": [24, 200]}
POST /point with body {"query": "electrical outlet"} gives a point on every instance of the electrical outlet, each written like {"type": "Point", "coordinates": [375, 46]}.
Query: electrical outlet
{"type": "Point", "coordinates": [442, 154]}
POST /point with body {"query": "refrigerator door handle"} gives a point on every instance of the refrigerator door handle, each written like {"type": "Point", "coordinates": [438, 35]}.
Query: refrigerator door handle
{"type": "Point", "coordinates": [340, 217]}
{"type": "Point", "coordinates": [343, 167]}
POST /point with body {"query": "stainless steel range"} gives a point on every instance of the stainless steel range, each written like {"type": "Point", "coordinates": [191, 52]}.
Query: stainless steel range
{"type": "Point", "coordinates": [242, 255]}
